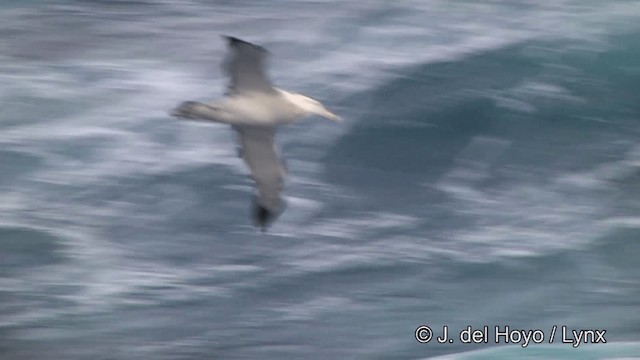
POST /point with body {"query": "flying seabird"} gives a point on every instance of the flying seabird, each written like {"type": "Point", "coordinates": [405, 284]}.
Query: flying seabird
{"type": "Point", "coordinates": [254, 108]}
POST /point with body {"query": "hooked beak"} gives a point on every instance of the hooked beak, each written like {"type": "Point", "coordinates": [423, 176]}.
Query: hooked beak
{"type": "Point", "coordinates": [329, 115]}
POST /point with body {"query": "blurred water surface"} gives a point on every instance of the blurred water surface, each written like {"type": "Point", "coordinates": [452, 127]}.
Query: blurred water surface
{"type": "Point", "coordinates": [488, 173]}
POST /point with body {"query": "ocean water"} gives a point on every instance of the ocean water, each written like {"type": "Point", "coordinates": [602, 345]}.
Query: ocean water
{"type": "Point", "coordinates": [487, 174]}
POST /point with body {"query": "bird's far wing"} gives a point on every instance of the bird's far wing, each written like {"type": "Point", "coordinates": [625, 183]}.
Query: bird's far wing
{"type": "Point", "coordinates": [259, 153]}
{"type": "Point", "coordinates": [245, 65]}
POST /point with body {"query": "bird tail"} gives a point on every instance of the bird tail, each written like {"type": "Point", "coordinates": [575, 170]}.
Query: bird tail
{"type": "Point", "coordinates": [193, 110]}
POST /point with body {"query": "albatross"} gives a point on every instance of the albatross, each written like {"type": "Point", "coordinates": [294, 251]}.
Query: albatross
{"type": "Point", "coordinates": [255, 108]}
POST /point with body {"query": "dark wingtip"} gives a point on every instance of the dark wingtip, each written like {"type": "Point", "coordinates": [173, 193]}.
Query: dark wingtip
{"type": "Point", "coordinates": [234, 41]}
{"type": "Point", "coordinates": [261, 216]}
{"type": "Point", "coordinates": [264, 217]}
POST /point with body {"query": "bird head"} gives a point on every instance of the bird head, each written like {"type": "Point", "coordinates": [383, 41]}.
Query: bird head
{"type": "Point", "coordinates": [312, 107]}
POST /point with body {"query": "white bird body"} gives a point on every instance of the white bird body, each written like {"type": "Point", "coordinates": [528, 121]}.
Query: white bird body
{"type": "Point", "coordinates": [254, 108]}
{"type": "Point", "coordinates": [259, 109]}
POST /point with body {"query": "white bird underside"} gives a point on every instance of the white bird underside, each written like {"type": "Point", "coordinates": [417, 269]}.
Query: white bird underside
{"type": "Point", "coordinates": [258, 151]}
{"type": "Point", "coordinates": [253, 107]}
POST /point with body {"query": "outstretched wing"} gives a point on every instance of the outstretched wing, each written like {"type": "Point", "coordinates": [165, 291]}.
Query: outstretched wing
{"type": "Point", "coordinates": [259, 153]}
{"type": "Point", "coordinates": [245, 65]}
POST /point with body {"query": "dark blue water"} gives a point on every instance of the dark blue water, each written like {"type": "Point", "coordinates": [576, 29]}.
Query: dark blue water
{"type": "Point", "coordinates": [487, 173]}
